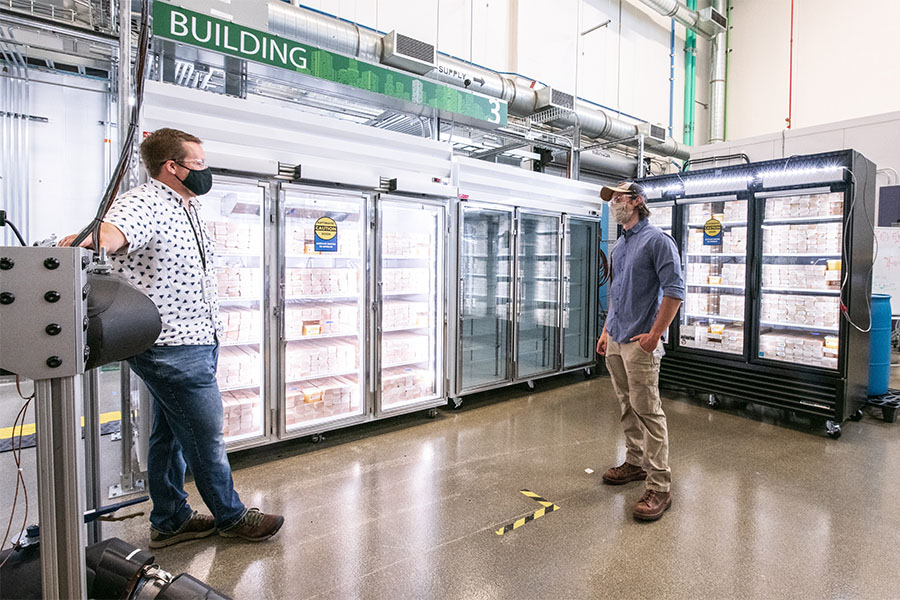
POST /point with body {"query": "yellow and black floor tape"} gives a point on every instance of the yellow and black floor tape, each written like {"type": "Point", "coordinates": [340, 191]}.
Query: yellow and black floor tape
{"type": "Point", "coordinates": [9, 436]}
{"type": "Point", "coordinates": [547, 507]}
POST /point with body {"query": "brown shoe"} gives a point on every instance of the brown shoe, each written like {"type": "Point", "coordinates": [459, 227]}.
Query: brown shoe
{"type": "Point", "coordinates": [254, 526]}
{"type": "Point", "coordinates": [198, 526]}
{"type": "Point", "coordinates": [623, 474]}
{"type": "Point", "coordinates": [652, 505]}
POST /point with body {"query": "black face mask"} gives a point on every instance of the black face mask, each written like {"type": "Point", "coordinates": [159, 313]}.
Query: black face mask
{"type": "Point", "coordinates": [199, 182]}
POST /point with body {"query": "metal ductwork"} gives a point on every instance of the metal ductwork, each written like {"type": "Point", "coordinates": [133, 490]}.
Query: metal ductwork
{"type": "Point", "coordinates": [717, 62]}
{"type": "Point", "coordinates": [707, 23]}
{"type": "Point", "coordinates": [333, 34]}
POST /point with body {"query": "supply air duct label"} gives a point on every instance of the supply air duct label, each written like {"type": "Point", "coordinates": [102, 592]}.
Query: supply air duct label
{"type": "Point", "coordinates": [196, 29]}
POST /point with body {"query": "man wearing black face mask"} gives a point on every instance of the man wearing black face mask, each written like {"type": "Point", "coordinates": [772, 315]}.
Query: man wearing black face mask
{"type": "Point", "coordinates": [157, 240]}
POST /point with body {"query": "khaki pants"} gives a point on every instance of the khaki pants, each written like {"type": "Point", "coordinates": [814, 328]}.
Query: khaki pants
{"type": "Point", "coordinates": [635, 378]}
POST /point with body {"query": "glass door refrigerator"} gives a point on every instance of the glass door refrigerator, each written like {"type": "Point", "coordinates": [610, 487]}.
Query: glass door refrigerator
{"type": "Point", "coordinates": [580, 280]}
{"type": "Point", "coordinates": [234, 212]}
{"type": "Point", "coordinates": [714, 267]}
{"type": "Point", "coordinates": [778, 263]}
{"type": "Point", "coordinates": [537, 289]}
{"type": "Point", "coordinates": [410, 311]}
{"type": "Point", "coordinates": [323, 299]}
{"type": "Point", "coordinates": [485, 292]}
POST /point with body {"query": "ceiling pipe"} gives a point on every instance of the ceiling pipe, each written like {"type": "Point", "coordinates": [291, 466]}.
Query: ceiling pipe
{"type": "Point", "coordinates": [684, 15]}
{"type": "Point", "coordinates": [330, 33]}
{"type": "Point", "coordinates": [717, 74]}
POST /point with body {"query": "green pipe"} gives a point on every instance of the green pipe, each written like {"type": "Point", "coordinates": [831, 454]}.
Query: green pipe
{"type": "Point", "coordinates": [690, 84]}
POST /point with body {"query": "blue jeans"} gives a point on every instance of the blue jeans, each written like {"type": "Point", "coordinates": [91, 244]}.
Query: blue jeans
{"type": "Point", "coordinates": [187, 429]}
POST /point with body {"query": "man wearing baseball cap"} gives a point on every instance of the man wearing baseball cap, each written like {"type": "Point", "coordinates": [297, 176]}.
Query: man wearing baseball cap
{"type": "Point", "coordinates": [646, 290]}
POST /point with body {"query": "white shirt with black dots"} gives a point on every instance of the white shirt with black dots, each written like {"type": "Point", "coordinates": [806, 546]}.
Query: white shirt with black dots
{"type": "Point", "coordinates": [165, 263]}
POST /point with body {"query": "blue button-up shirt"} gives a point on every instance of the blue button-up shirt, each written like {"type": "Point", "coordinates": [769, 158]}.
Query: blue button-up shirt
{"type": "Point", "coordinates": [645, 267]}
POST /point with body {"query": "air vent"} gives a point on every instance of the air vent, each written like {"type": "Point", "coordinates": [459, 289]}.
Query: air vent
{"type": "Point", "coordinates": [408, 53]}
{"type": "Point", "coordinates": [653, 134]}
{"type": "Point", "coordinates": [548, 97]}
{"type": "Point", "coordinates": [712, 21]}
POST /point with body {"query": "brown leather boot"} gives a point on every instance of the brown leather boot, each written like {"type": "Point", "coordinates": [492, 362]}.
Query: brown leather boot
{"type": "Point", "coordinates": [623, 474]}
{"type": "Point", "coordinates": [254, 526]}
{"type": "Point", "coordinates": [652, 505]}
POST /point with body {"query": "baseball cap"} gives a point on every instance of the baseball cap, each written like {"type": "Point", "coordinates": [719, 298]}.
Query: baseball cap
{"type": "Point", "coordinates": [625, 187]}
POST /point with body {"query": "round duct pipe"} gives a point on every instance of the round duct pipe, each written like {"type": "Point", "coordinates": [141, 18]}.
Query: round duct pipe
{"type": "Point", "coordinates": [330, 33]}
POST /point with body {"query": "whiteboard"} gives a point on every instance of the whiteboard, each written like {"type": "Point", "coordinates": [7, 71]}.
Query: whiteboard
{"type": "Point", "coordinates": [886, 275]}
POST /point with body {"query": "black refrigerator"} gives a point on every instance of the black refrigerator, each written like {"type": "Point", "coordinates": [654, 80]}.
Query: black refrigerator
{"type": "Point", "coordinates": [777, 259]}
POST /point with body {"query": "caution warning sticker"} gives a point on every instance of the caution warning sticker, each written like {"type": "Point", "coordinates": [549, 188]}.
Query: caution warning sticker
{"type": "Point", "coordinates": [326, 232]}
{"type": "Point", "coordinates": [712, 233]}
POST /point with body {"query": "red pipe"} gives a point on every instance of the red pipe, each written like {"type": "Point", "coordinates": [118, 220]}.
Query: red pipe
{"type": "Point", "coordinates": [791, 70]}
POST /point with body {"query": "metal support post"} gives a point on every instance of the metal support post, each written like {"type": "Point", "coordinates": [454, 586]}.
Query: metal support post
{"type": "Point", "coordinates": [575, 161]}
{"type": "Point", "coordinates": [60, 488]}
{"type": "Point", "coordinates": [640, 161]}
{"type": "Point", "coordinates": [127, 483]}
{"type": "Point", "coordinates": [92, 451]}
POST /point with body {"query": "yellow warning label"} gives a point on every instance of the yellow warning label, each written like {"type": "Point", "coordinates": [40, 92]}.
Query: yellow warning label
{"type": "Point", "coordinates": [325, 228]}
{"type": "Point", "coordinates": [712, 228]}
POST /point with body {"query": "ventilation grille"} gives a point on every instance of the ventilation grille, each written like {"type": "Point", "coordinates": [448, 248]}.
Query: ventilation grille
{"type": "Point", "coordinates": [408, 53]}
{"type": "Point", "coordinates": [414, 48]}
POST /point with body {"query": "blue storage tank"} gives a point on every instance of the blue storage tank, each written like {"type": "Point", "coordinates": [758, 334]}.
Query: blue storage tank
{"type": "Point", "coordinates": [880, 345]}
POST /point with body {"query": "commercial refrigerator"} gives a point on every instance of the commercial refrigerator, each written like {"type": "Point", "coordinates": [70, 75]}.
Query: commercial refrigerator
{"type": "Point", "coordinates": [234, 213]}
{"type": "Point", "coordinates": [777, 260]}
{"type": "Point", "coordinates": [526, 277]}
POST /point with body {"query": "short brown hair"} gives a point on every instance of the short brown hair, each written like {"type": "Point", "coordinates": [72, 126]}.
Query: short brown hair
{"type": "Point", "coordinates": [164, 145]}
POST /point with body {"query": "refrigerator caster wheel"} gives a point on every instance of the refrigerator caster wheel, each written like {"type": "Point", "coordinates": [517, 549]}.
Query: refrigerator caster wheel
{"type": "Point", "coordinates": [455, 402]}
{"type": "Point", "coordinates": [713, 401]}
{"type": "Point", "coordinates": [316, 438]}
{"type": "Point", "coordinates": [432, 413]}
{"type": "Point", "coordinates": [833, 429]}
{"type": "Point", "coordinates": [857, 416]}
{"type": "Point", "coordinates": [530, 385]}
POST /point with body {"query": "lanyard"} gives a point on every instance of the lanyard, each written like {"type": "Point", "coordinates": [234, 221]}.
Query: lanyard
{"type": "Point", "coordinates": [197, 237]}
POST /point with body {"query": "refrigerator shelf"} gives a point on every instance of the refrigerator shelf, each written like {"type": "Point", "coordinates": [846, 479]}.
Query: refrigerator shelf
{"type": "Point", "coordinates": [814, 292]}
{"type": "Point", "coordinates": [718, 286]}
{"type": "Point", "coordinates": [322, 376]}
{"type": "Point", "coordinates": [230, 299]}
{"type": "Point", "coordinates": [715, 317]}
{"type": "Point", "coordinates": [715, 255]}
{"type": "Point", "coordinates": [794, 220]}
{"type": "Point", "coordinates": [403, 257]}
{"type": "Point", "coordinates": [406, 328]}
{"type": "Point", "coordinates": [322, 255]}
{"type": "Point", "coordinates": [240, 386]}
{"type": "Point", "coordinates": [725, 224]}
{"type": "Point", "coordinates": [324, 336]}
{"type": "Point", "coordinates": [406, 293]}
{"type": "Point", "coordinates": [240, 254]}
{"type": "Point", "coordinates": [404, 363]}
{"type": "Point", "coordinates": [804, 255]}
{"type": "Point", "coordinates": [323, 297]}
{"type": "Point", "coordinates": [240, 343]}
{"type": "Point", "coordinates": [800, 327]}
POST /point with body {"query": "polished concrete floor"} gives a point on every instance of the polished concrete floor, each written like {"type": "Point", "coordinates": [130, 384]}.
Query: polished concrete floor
{"type": "Point", "coordinates": [409, 508]}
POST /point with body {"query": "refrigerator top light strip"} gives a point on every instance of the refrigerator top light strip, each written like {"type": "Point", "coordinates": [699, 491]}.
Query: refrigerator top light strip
{"type": "Point", "coordinates": [789, 193]}
{"type": "Point", "coordinates": [728, 198]}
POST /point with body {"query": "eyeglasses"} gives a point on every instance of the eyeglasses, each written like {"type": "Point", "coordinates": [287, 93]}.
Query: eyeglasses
{"type": "Point", "coordinates": [200, 163]}
{"type": "Point", "coordinates": [619, 198]}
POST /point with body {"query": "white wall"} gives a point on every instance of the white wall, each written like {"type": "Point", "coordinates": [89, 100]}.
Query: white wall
{"type": "Point", "coordinates": [68, 154]}
{"type": "Point", "coordinates": [845, 63]}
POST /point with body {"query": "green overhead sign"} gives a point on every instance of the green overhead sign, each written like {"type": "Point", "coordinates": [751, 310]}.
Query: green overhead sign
{"type": "Point", "coordinates": [189, 27]}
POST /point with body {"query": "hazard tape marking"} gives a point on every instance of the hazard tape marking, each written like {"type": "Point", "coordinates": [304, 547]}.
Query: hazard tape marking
{"type": "Point", "coordinates": [547, 507]}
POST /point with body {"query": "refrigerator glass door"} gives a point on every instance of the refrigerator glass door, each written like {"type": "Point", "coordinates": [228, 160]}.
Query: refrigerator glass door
{"type": "Point", "coordinates": [233, 213]}
{"type": "Point", "coordinates": [662, 217]}
{"type": "Point", "coordinates": [538, 301]}
{"type": "Point", "coordinates": [411, 284]}
{"type": "Point", "coordinates": [484, 296]}
{"type": "Point", "coordinates": [580, 293]}
{"type": "Point", "coordinates": [324, 306]}
{"type": "Point", "coordinates": [714, 255]}
{"type": "Point", "coordinates": [801, 278]}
